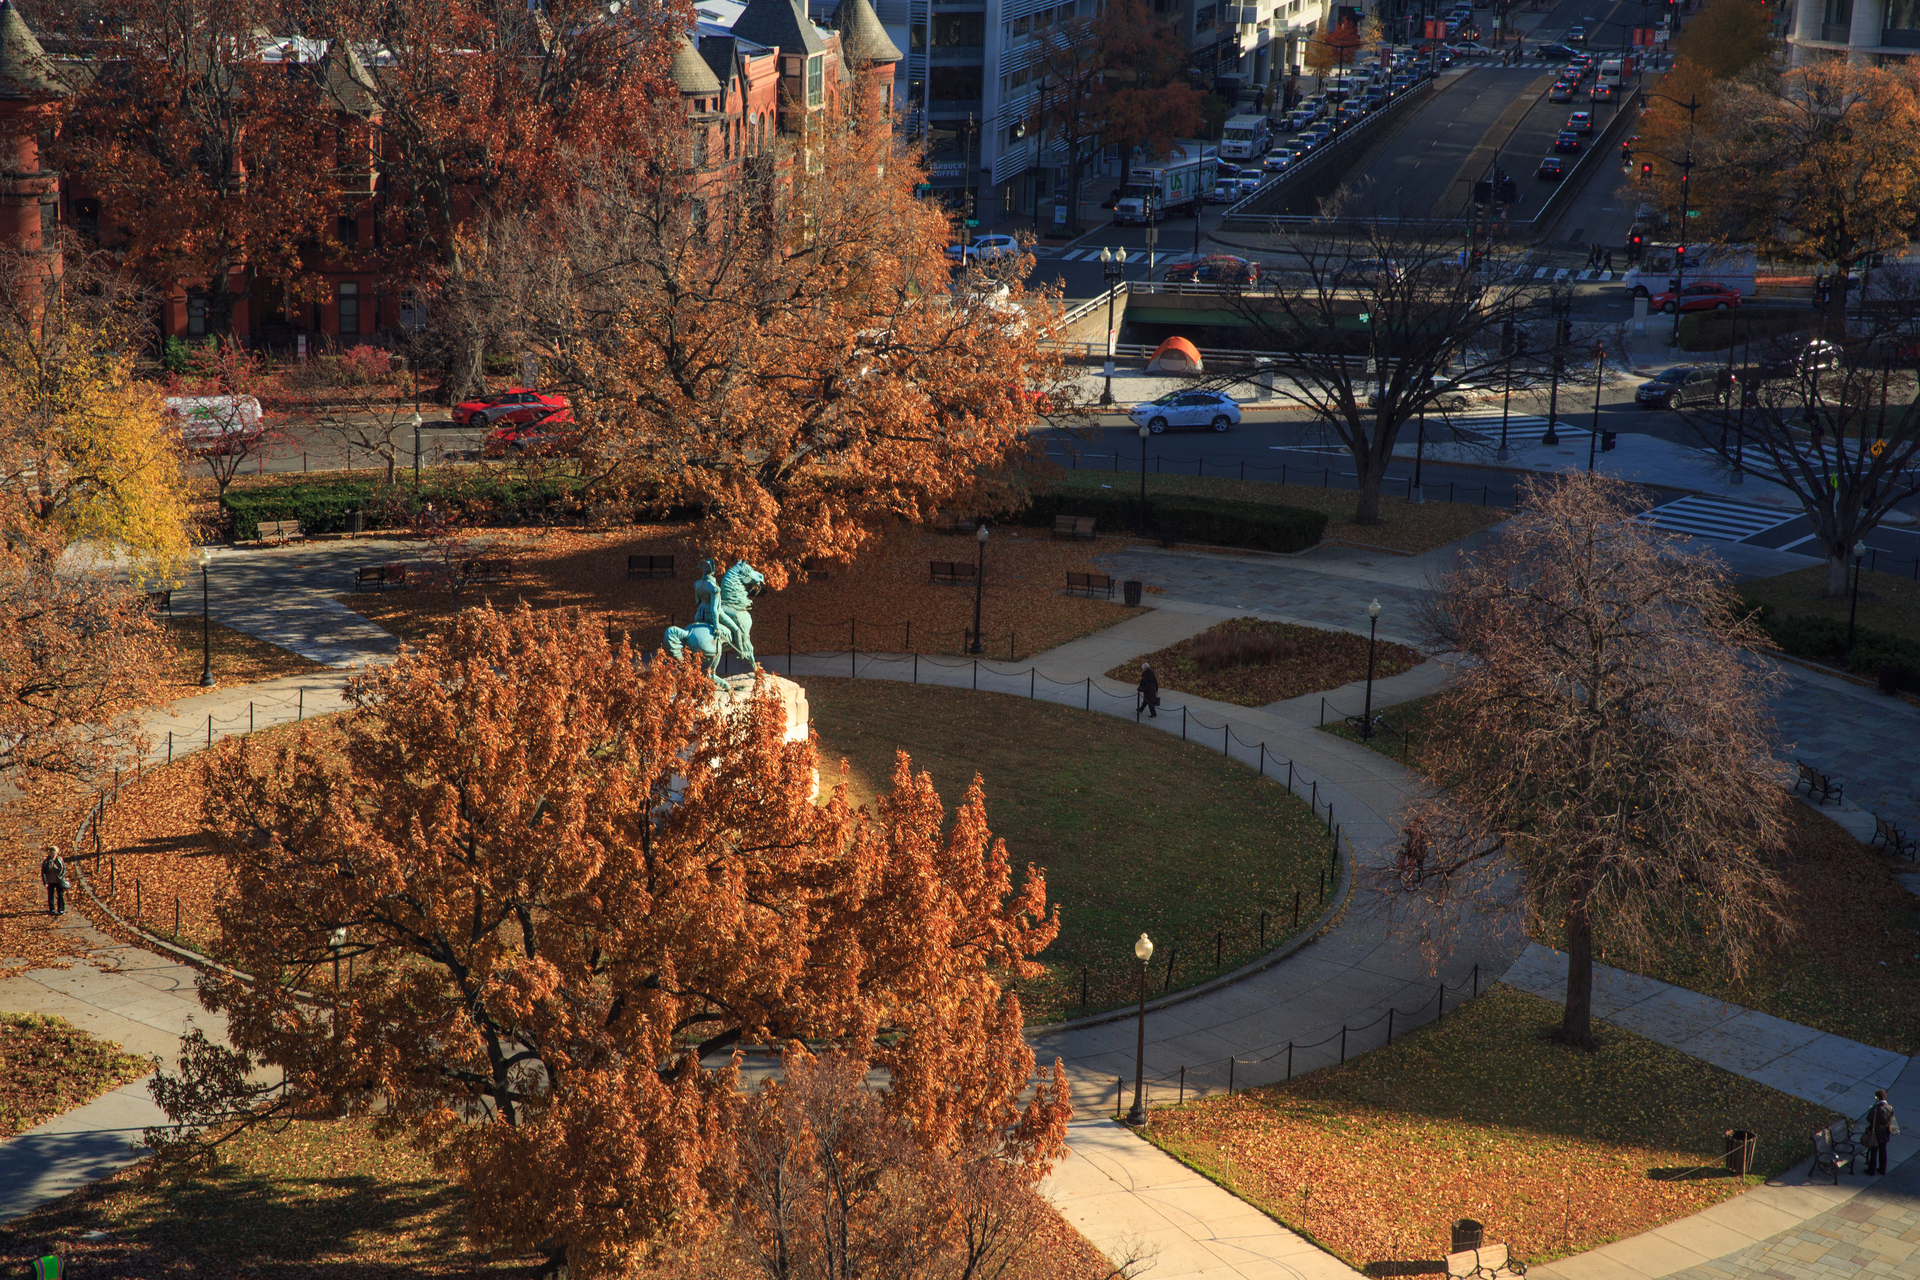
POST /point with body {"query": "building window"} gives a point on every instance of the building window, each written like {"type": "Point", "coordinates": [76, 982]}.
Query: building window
{"type": "Point", "coordinates": [1903, 23]}
{"type": "Point", "coordinates": [413, 311]}
{"type": "Point", "coordinates": [955, 84]}
{"type": "Point", "coordinates": [699, 146]}
{"type": "Point", "coordinates": [196, 315]}
{"type": "Point", "coordinates": [959, 30]}
{"type": "Point", "coordinates": [86, 218]}
{"type": "Point", "coordinates": [816, 80]}
{"type": "Point", "coordinates": [1203, 17]}
{"type": "Point", "coordinates": [349, 294]}
{"type": "Point", "coordinates": [347, 229]}
{"type": "Point", "coordinates": [1042, 20]}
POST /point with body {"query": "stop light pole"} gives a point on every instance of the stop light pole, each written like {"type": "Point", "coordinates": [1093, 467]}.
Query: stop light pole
{"type": "Point", "coordinates": [1691, 105]}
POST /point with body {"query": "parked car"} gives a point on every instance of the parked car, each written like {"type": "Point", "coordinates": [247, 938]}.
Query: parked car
{"type": "Point", "coordinates": [547, 438]}
{"type": "Point", "coordinates": [1553, 168]}
{"type": "Point", "coordinates": [988, 247]}
{"type": "Point", "coordinates": [1219, 268]}
{"type": "Point", "coordinates": [1191, 410]}
{"type": "Point", "coordinates": [1815, 355]}
{"type": "Point", "coordinates": [1581, 122]}
{"type": "Point", "coordinates": [1698, 297]}
{"type": "Point", "coordinates": [210, 426]}
{"type": "Point", "coordinates": [1684, 385]}
{"type": "Point", "coordinates": [517, 405]}
{"type": "Point", "coordinates": [1567, 141]}
{"type": "Point", "coordinates": [1561, 92]}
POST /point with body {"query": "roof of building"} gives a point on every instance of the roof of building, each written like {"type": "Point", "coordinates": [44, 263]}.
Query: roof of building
{"type": "Point", "coordinates": [690, 70]}
{"type": "Point", "coordinates": [862, 38]}
{"type": "Point", "coordinates": [781, 23]}
{"type": "Point", "coordinates": [25, 69]}
{"type": "Point", "coordinates": [348, 83]}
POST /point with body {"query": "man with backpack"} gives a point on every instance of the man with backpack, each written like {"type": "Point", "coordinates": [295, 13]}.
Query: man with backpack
{"type": "Point", "coordinates": [1877, 1132]}
{"type": "Point", "coordinates": [53, 874]}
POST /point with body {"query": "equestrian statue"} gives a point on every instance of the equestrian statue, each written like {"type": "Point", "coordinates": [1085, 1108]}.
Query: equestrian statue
{"type": "Point", "coordinates": [722, 617]}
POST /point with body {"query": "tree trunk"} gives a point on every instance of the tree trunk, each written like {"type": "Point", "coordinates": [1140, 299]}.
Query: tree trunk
{"type": "Point", "coordinates": [1835, 587]}
{"type": "Point", "coordinates": [1576, 1022]}
{"type": "Point", "coordinates": [1367, 509]}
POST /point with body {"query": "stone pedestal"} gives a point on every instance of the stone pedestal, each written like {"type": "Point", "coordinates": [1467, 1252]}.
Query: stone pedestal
{"type": "Point", "coordinates": [792, 697]}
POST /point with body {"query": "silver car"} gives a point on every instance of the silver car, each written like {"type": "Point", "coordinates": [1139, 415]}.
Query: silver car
{"type": "Point", "coordinates": [1187, 410]}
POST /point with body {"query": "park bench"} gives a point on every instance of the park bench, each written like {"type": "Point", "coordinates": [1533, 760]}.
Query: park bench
{"type": "Point", "coordinates": [1488, 1262]}
{"type": "Point", "coordinates": [1833, 1151]}
{"type": "Point", "coordinates": [947, 522]}
{"type": "Point", "coordinates": [1891, 837]}
{"type": "Point", "coordinates": [278, 530]}
{"type": "Point", "coordinates": [950, 571]}
{"type": "Point", "coordinates": [161, 601]}
{"type": "Point", "coordinates": [1073, 526]}
{"type": "Point", "coordinates": [1090, 583]}
{"type": "Point", "coordinates": [816, 569]}
{"type": "Point", "coordinates": [650, 566]}
{"type": "Point", "coordinates": [380, 575]}
{"type": "Point", "coordinates": [480, 569]}
{"type": "Point", "coordinates": [1820, 787]}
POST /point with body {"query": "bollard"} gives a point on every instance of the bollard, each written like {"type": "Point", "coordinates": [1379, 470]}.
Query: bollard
{"type": "Point", "coordinates": [1289, 777]}
{"type": "Point", "coordinates": [1343, 1042]}
{"type": "Point", "coordinates": [113, 877]}
{"type": "Point", "coordinates": [1323, 885]}
{"type": "Point", "coordinates": [976, 674]}
{"type": "Point", "coordinates": [1119, 1093]}
{"type": "Point", "coordinates": [1289, 1059]}
{"type": "Point", "coordinates": [209, 728]}
{"type": "Point", "coordinates": [1183, 1084]}
{"type": "Point", "coordinates": [137, 901]}
{"type": "Point", "coordinates": [1389, 1024]}
{"type": "Point", "coordinates": [1226, 736]}
{"type": "Point", "coordinates": [1183, 724]}
{"type": "Point", "coordinates": [176, 917]}
{"type": "Point", "coordinates": [1263, 757]}
{"type": "Point", "coordinates": [1476, 982]}
{"type": "Point", "coordinates": [1030, 679]}
{"type": "Point", "coordinates": [300, 712]}
{"type": "Point", "coordinates": [169, 746]}
{"type": "Point", "coordinates": [916, 668]}
{"type": "Point", "coordinates": [1089, 705]}
{"type": "Point", "coordinates": [1219, 946]}
{"type": "Point", "coordinates": [909, 635]}
{"type": "Point", "coordinates": [1263, 931]}
{"type": "Point", "coordinates": [1229, 1077]}
{"type": "Point", "coordinates": [1084, 1002]}
{"type": "Point", "coordinates": [1296, 908]}
{"type": "Point", "coordinates": [249, 715]}
{"type": "Point", "coordinates": [1314, 800]}
{"type": "Point", "coordinates": [1169, 982]}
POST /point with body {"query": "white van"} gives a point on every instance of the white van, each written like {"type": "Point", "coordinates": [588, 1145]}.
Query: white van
{"type": "Point", "coordinates": [1612, 70]}
{"type": "Point", "coordinates": [215, 424]}
{"type": "Point", "coordinates": [1246, 138]}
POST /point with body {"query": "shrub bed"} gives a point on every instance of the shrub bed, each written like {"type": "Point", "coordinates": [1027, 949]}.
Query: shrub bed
{"type": "Point", "coordinates": [1222, 522]}
{"type": "Point", "coordinates": [1825, 640]}
{"type": "Point", "coordinates": [328, 505]}
{"type": "Point", "coordinates": [1716, 330]}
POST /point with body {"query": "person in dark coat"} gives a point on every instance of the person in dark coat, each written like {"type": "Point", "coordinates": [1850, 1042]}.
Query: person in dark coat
{"type": "Point", "coordinates": [1877, 1132]}
{"type": "Point", "coordinates": [1149, 691]}
{"type": "Point", "coordinates": [53, 874]}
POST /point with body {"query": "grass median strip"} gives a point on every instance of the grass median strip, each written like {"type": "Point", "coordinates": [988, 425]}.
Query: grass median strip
{"type": "Point", "coordinates": [1480, 1116]}
{"type": "Point", "coordinates": [48, 1067]}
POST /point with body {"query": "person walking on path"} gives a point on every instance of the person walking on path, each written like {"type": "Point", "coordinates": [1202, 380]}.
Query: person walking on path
{"type": "Point", "coordinates": [53, 874]}
{"type": "Point", "coordinates": [1149, 691]}
{"type": "Point", "coordinates": [1609, 260]}
{"type": "Point", "coordinates": [1878, 1131]}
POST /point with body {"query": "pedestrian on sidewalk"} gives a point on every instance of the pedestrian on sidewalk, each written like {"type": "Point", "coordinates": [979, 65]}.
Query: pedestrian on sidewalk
{"type": "Point", "coordinates": [53, 874]}
{"type": "Point", "coordinates": [1877, 1131]}
{"type": "Point", "coordinates": [1149, 691]}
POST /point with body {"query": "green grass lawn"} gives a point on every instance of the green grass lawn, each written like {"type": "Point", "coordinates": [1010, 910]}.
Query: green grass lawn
{"type": "Point", "coordinates": [1852, 964]}
{"type": "Point", "coordinates": [1889, 602]}
{"type": "Point", "coordinates": [1481, 1116]}
{"type": "Point", "coordinates": [1404, 526]}
{"type": "Point", "coordinates": [1135, 830]}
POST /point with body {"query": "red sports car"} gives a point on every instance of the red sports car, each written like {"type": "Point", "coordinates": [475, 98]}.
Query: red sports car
{"type": "Point", "coordinates": [1698, 297]}
{"type": "Point", "coordinates": [516, 405]}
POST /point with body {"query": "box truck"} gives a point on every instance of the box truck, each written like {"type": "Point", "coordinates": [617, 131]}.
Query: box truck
{"type": "Point", "coordinates": [1246, 138]}
{"type": "Point", "coordinates": [1176, 183]}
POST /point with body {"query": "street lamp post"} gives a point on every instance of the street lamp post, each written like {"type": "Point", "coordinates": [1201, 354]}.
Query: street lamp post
{"type": "Point", "coordinates": [1691, 105]}
{"type": "Point", "coordinates": [1853, 609]}
{"type": "Point", "coordinates": [203, 558]}
{"type": "Point", "coordinates": [1506, 396]}
{"type": "Point", "coordinates": [979, 580]}
{"type": "Point", "coordinates": [1143, 952]}
{"type": "Point", "coordinates": [1144, 433]}
{"type": "Point", "coordinates": [416, 448]}
{"type": "Point", "coordinates": [1599, 368]}
{"type": "Point", "coordinates": [1373, 635]}
{"type": "Point", "coordinates": [1113, 267]}
{"type": "Point", "coordinates": [1562, 310]}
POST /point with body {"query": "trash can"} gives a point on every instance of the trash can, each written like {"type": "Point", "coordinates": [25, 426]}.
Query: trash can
{"type": "Point", "coordinates": [1468, 1234]}
{"type": "Point", "coordinates": [1889, 680]}
{"type": "Point", "coordinates": [1740, 1145]}
{"type": "Point", "coordinates": [1131, 590]}
{"type": "Point", "coordinates": [357, 522]}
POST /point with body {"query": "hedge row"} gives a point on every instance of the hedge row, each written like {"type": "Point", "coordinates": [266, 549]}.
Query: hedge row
{"type": "Point", "coordinates": [328, 506]}
{"type": "Point", "coordinates": [1825, 640]}
{"type": "Point", "coordinates": [1255, 525]}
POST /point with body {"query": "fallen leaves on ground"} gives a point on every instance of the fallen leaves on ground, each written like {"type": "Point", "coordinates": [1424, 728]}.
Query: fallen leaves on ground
{"type": "Point", "coordinates": [885, 603]}
{"type": "Point", "coordinates": [1554, 1149]}
{"type": "Point", "coordinates": [321, 1200]}
{"type": "Point", "coordinates": [29, 937]}
{"type": "Point", "coordinates": [238, 658]}
{"type": "Point", "coordinates": [48, 1067]}
{"type": "Point", "coordinates": [1322, 660]}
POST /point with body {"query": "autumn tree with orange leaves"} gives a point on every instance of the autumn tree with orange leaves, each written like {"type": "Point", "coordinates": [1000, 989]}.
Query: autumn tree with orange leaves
{"type": "Point", "coordinates": [569, 887]}
{"type": "Point", "coordinates": [786, 352]}
{"type": "Point", "coordinates": [1608, 768]}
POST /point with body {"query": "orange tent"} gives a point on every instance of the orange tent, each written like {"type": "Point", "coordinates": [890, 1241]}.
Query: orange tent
{"type": "Point", "coordinates": [1176, 355]}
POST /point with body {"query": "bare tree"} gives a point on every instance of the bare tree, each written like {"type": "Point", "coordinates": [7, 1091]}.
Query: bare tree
{"type": "Point", "coordinates": [1608, 736]}
{"type": "Point", "coordinates": [1835, 425]}
{"type": "Point", "coordinates": [1377, 322]}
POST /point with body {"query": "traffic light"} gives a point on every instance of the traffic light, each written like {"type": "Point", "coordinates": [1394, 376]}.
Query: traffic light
{"type": "Point", "coordinates": [969, 204]}
{"type": "Point", "coordinates": [1509, 191]}
{"type": "Point", "coordinates": [1680, 257]}
{"type": "Point", "coordinates": [1566, 330]}
{"type": "Point", "coordinates": [1606, 441]}
{"type": "Point", "coordinates": [1646, 168]}
{"type": "Point", "coordinates": [1483, 192]}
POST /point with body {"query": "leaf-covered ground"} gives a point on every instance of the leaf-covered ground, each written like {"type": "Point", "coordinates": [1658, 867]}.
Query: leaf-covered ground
{"type": "Point", "coordinates": [1851, 965]}
{"type": "Point", "coordinates": [1404, 526]}
{"type": "Point", "coordinates": [48, 1066]}
{"type": "Point", "coordinates": [29, 937]}
{"type": "Point", "coordinates": [1321, 660]}
{"type": "Point", "coordinates": [1135, 830]}
{"type": "Point", "coordinates": [1024, 610]}
{"type": "Point", "coordinates": [323, 1200]}
{"type": "Point", "coordinates": [238, 658]}
{"type": "Point", "coordinates": [1554, 1149]}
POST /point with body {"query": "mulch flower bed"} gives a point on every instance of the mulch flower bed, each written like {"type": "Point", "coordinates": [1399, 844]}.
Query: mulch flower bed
{"type": "Point", "coordinates": [1251, 663]}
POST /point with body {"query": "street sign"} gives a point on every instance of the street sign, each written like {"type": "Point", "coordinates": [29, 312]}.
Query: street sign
{"type": "Point", "coordinates": [973, 222]}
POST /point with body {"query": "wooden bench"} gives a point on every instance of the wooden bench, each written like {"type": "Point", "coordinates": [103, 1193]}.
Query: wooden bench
{"type": "Point", "coordinates": [1090, 583]}
{"type": "Point", "coordinates": [950, 571]}
{"type": "Point", "coordinates": [816, 569]}
{"type": "Point", "coordinates": [948, 523]}
{"type": "Point", "coordinates": [650, 566]}
{"type": "Point", "coordinates": [380, 575]}
{"type": "Point", "coordinates": [1485, 1263]}
{"type": "Point", "coordinates": [278, 530]}
{"type": "Point", "coordinates": [1833, 1151]}
{"type": "Point", "coordinates": [1890, 837]}
{"type": "Point", "coordinates": [1073, 526]}
{"type": "Point", "coordinates": [1820, 787]}
{"type": "Point", "coordinates": [161, 601]}
{"type": "Point", "coordinates": [479, 569]}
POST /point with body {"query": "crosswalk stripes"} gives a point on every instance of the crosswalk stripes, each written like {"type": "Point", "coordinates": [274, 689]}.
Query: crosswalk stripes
{"type": "Point", "coordinates": [1522, 428]}
{"type": "Point", "coordinates": [1716, 518]}
{"type": "Point", "coordinates": [1093, 255]}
